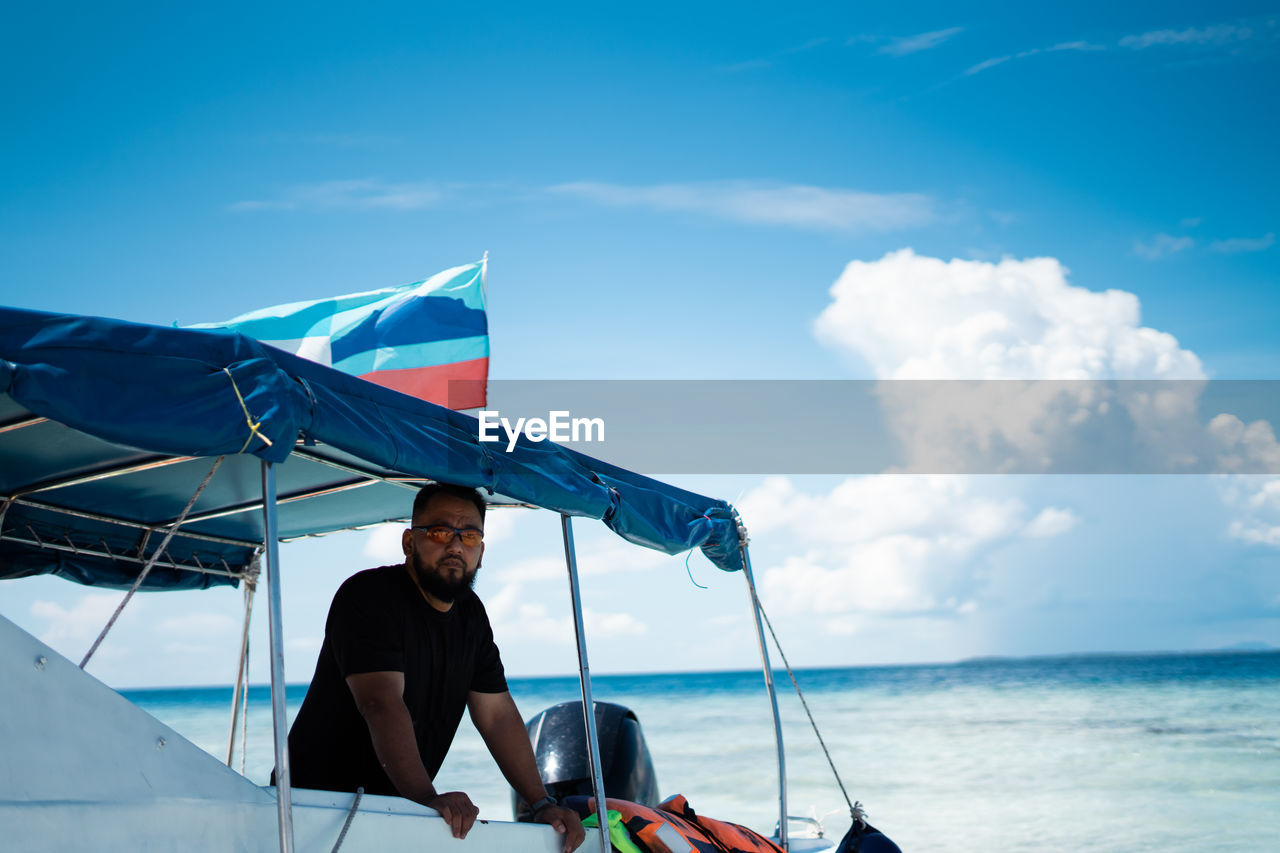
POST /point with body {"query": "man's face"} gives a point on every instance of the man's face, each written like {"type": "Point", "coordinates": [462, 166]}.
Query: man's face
{"type": "Point", "coordinates": [444, 570]}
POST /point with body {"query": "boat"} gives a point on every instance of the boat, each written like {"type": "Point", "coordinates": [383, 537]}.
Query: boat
{"type": "Point", "coordinates": [154, 458]}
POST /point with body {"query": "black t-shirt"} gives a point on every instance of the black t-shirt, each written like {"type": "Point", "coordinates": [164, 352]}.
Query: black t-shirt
{"type": "Point", "coordinates": [380, 622]}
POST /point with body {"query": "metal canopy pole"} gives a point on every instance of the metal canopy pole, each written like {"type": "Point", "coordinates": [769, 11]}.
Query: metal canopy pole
{"type": "Point", "coordinates": [584, 678]}
{"type": "Point", "coordinates": [773, 698]}
{"type": "Point", "coordinates": [284, 804]}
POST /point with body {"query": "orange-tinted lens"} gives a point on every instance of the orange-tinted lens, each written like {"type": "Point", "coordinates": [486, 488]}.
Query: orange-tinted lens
{"type": "Point", "coordinates": [443, 535]}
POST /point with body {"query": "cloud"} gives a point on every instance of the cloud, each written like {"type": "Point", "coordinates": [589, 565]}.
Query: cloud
{"type": "Point", "coordinates": [1076, 46]}
{"type": "Point", "coordinates": [517, 619]}
{"type": "Point", "coordinates": [915, 317]}
{"type": "Point", "coordinates": [1162, 245]}
{"type": "Point", "coordinates": [1217, 35]}
{"type": "Point", "coordinates": [807, 46]}
{"type": "Point", "coordinates": [765, 203]}
{"type": "Point", "coordinates": [199, 624]}
{"type": "Point", "coordinates": [366, 194]}
{"type": "Point", "coordinates": [888, 546]}
{"type": "Point", "coordinates": [1244, 447]}
{"type": "Point", "coordinates": [1257, 500]}
{"type": "Point", "coordinates": [1051, 522]}
{"type": "Point", "coordinates": [500, 524]}
{"type": "Point", "coordinates": [71, 630]}
{"type": "Point", "coordinates": [985, 64]}
{"type": "Point", "coordinates": [304, 646]}
{"type": "Point", "coordinates": [382, 544]}
{"type": "Point", "coordinates": [1243, 244]}
{"type": "Point", "coordinates": [600, 556]}
{"type": "Point", "coordinates": [922, 41]}
{"type": "Point", "coordinates": [1084, 46]}
{"type": "Point", "coordinates": [762, 64]}
{"type": "Point", "coordinates": [604, 625]}
{"type": "Point", "coordinates": [514, 616]}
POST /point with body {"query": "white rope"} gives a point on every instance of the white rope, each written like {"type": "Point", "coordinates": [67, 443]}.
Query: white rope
{"type": "Point", "coordinates": [244, 714]}
{"type": "Point", "coordinates": [142, 576]}
{"type": "Point", "coordinates": [350, 817]}
{"type": "Point", "coordinates": [242, 672]}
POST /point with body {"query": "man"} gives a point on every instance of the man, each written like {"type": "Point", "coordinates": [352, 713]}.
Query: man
{"type": "Point", "coordinates": [406, 648]}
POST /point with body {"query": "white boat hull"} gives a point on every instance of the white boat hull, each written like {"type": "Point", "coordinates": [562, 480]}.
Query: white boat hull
{"type": "Point", "coordinates": [85, 769]}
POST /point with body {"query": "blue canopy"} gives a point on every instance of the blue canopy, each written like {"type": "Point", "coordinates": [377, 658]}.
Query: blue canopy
{"type": "Point", "coordinates": [107, 428]}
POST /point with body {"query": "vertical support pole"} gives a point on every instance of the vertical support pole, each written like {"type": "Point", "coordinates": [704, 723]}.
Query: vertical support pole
{"type": "Point", "coordinates": [280, 723]}
{"type": "Point", "coordinates": [773, 699]}
{"type": "Point", "coordinates": [584, 678]}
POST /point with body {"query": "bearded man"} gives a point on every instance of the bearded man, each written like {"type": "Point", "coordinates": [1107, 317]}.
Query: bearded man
{"type": "Point", "coordinates": [406, 648]}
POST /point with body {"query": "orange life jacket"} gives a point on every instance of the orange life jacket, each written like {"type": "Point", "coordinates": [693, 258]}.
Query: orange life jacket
{"type": "Point", "coordinates": [651, 829]}
{"type": "Point", "coordinates": [733, 837]}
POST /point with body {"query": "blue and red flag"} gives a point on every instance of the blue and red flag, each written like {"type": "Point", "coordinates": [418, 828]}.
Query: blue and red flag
{"type": "Point", "coordinates": [416, 338]}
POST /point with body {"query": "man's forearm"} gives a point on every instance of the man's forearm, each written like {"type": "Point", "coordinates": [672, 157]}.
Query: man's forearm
{"type": "Point", "coordinates": [498, 721]}
{"type": "Point", "coordinates": [391, 730]}
{"type": "Point", "coordinates": [508, 742]}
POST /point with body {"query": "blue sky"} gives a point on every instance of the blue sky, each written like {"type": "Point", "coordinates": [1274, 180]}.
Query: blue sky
{"type": "Point", "coordinates": [673, 191]}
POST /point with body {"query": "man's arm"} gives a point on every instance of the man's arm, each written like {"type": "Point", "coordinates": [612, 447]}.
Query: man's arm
{"type": "Point", "coordinates": [380, 699]}
{"type": "Point", "coordinates": [498, 720]}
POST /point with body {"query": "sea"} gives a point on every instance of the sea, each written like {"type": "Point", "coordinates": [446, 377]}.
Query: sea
{"type": "Point", "coordinates": [1167, 752]}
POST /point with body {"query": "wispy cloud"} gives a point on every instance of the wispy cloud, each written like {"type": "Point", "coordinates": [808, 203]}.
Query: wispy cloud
{"type": "Point", "coordinates": [987, 63]}
{"type": "Point", "coordinates": [922, 41]}
{"type": "Point", "coordinates": [1217, 35]}
{"type": "Point", "coordinates": [365, 194]}
{"type": "Point", "coordinates": [767, 203]}
{"type": "Point", "coordinates": [1079, 46]}
{"type": "Point", "coordinates": [763, 63]}
{"type": "Point", "coordinates": [807, 46]}
{"type": "Point", "coordinates": [1051, 521]}
{"type": "Point", "coordinates": [203, 624]}
{"type": "Point", "coordinates": [1162, 245]}
{"type": "Point", "coordinates": [1084, 46]}
{"type": "Point", "coordinates": [1243, 244]}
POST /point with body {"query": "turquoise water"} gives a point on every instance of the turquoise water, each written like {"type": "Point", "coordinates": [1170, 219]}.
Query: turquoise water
{"type": "Point", "coordinates": [1104, 753]}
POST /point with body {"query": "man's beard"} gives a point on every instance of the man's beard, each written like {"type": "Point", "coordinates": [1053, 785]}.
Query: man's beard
{"type": "Point", "coordinates": [438, 586]}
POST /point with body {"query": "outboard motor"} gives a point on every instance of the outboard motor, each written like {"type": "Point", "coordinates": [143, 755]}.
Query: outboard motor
{"type": "Point", "coordinates": [559, 739]}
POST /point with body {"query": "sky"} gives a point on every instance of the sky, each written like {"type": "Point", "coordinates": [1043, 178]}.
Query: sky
{"type": "Point", "coordinates": [710, 192]}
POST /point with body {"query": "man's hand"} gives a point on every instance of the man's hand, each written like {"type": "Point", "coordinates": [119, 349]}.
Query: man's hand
{"type": "Point", "coordinates": [563, 820]}
{"type": "Point", "coordinates": [499, 723]}
{"type": "Point", "coordinates": [458, 812]}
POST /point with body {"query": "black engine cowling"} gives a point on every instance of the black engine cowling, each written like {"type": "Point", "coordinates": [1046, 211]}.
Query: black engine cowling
{"type": "Point", "coordinates": [559, 739]}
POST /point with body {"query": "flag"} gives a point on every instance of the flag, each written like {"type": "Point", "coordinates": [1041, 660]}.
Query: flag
{"type": "Point", "coordinates": [416, 338]}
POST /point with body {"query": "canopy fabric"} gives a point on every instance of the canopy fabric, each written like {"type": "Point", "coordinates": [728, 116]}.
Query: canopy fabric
{"type": "Point", "coordinates": [107, 427]}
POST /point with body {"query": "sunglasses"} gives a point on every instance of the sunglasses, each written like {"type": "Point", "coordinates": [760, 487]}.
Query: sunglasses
{"type": "Point", "coordinates": [442, 534]}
